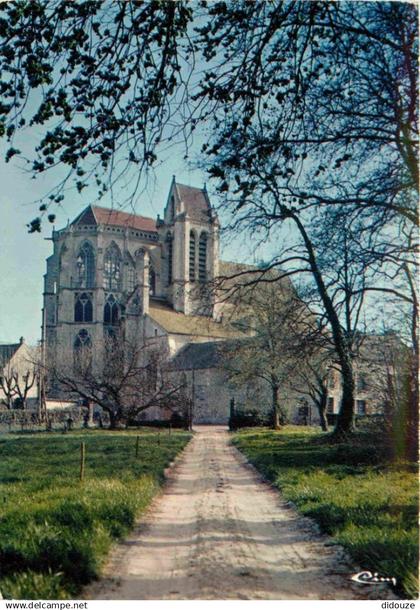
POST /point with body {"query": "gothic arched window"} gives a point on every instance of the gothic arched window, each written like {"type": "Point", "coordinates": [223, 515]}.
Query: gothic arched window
{"type": "Point", "coordinates": [83, 310]}
{"type": "Point", "coordinates": [82, 352]}
{"type": "Point", "coordinates": [192, 256]}
{"type": "Point", "coordinates": [112, 268]}
{"type": "Point", "coordinates": [152, 281]}
{"type": "Point", "coordinates": [130, 277]}
{"type": "Point", "coordinates": [86, 266]}
{"type": "Point", "coordinates": [202, 257]}
{"type": "Point", "coordinates": [169, 245]}
{"type": "Point", "coordinates": [111, 311]}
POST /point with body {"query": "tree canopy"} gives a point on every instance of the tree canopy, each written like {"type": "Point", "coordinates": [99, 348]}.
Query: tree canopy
{"type": "Point", "coordinates": [326, 92]}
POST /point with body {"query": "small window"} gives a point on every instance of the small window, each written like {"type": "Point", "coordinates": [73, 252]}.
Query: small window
{"type": "Point", "coordinates": [330, 405]}
{"type": "Point", "coordinates": [361, 407]}
{"type": "Point", "coordinates": [361, 381]}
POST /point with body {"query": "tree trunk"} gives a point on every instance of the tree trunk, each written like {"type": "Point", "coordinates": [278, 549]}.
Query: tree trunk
{"type": "Point", "coordinates": [412, 426]}
{"type": "Point", "coordinates": [113, 419]}
{"type": "Point", "coordinates": [345, 419]}
{"type": "Point", "coordinates": [275, 407]}
{"type": "Point", "coordinates": [322, 410]}
{"type": "Point", "coordinates": [412, 430]}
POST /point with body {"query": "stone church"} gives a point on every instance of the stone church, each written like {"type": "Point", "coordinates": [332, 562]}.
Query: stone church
{"type": "Point", "coordinates": [110, 268]}
{"type": "Point", "coordinates": [109, 263]}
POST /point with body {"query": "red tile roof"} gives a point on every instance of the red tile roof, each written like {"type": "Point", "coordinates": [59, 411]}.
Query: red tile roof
{"type": "Point", "coordinates": [106, 216]}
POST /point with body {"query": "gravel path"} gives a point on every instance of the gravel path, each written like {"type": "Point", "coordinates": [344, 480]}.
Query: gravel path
{"type": "Point", "coordinates": [218, 532]}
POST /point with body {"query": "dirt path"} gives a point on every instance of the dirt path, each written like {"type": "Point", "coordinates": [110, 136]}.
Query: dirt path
{"type": "Point", "coordinates": [219, 532]}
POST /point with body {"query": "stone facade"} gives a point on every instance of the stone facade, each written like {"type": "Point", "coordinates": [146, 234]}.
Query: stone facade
{"type": "Point", "coordinates": [375, 364]}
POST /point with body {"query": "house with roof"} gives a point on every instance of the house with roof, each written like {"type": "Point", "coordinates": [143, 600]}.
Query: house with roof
{"type": "Point", "coordinates": [18, 376]}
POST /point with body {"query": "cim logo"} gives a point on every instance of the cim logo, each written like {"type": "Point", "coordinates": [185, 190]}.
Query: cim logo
{"type": "Point", "coordinates": [367, 578]}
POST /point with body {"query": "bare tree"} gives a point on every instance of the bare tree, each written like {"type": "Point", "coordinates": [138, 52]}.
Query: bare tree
{"type": "Point", "coordinates": [334, 273]}
{"type": "Point", "coordinates": [310, 378]}
{"type": "Point", "coordinates": [275, 319]}
{"type": "Point", "coordinates": [16, 386]}
{"type": "Point", "coordinates": [317, 166]}
{"type": "Point", "coordinates": [24, 382]}
{"type": "Point", "coordinates": [8, 385]}
{"type": "Point", "coordinates": [130, 380]}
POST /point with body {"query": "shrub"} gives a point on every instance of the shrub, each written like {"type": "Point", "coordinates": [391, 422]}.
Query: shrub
{"type": "Point", "coordinates": [248, 419]}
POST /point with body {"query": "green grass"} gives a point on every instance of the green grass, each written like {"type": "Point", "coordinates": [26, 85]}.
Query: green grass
{"type": "Point", "coordinates": [365, 503]}
{"type": "Point", "coordinates": [55, 530]}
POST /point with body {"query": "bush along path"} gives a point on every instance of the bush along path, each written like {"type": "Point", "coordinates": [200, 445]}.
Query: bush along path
{"type": "Point", "coordinates": [354, 491]}
{"type": "Point", "coordinates": [56, 529]}
{"type": "Point", "coordinates": [219, 532]}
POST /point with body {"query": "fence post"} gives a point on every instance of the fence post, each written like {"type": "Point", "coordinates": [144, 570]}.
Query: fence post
{"type": "Point", "coordinates": [158, 439]}
{"type": "Point", "coordinates": [137, 446]}
{"type": "Point", "coordinates": [82, 460]}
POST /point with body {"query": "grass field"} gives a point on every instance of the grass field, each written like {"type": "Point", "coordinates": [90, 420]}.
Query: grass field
{"type": "Point", "coordinates": [367, 504]}
{"type": "Point", "coordinates": [56, 530]}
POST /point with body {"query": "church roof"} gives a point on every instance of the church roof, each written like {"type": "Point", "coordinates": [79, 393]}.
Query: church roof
{"type": "Point", "coordinates": [179, 324]}
{"type": "Point", "coordinates": [7, 351]}
{"type": "Point", "coordinates": [197, 356]}
{"type": "Point", "coordinates": [93, 215]}
{"type": "Point", "coordinates": [195, 200]}
{"type": "Point", "coordinates": [205, 355]}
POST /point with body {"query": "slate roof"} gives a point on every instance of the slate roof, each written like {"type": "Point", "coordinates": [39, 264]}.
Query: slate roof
{"type": "Point", "coordinates": [179, 324]}
{"type": "Point", "coordinates": [195, 200]}
{"type": "Point", "coordinates": [205, 355]}
{"type": "Point", "coordinates": [7, 351]}
{"type": "Point", "coordinates": [198, 356]}
{"type": "Point", "coordinates": [93, 215]}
